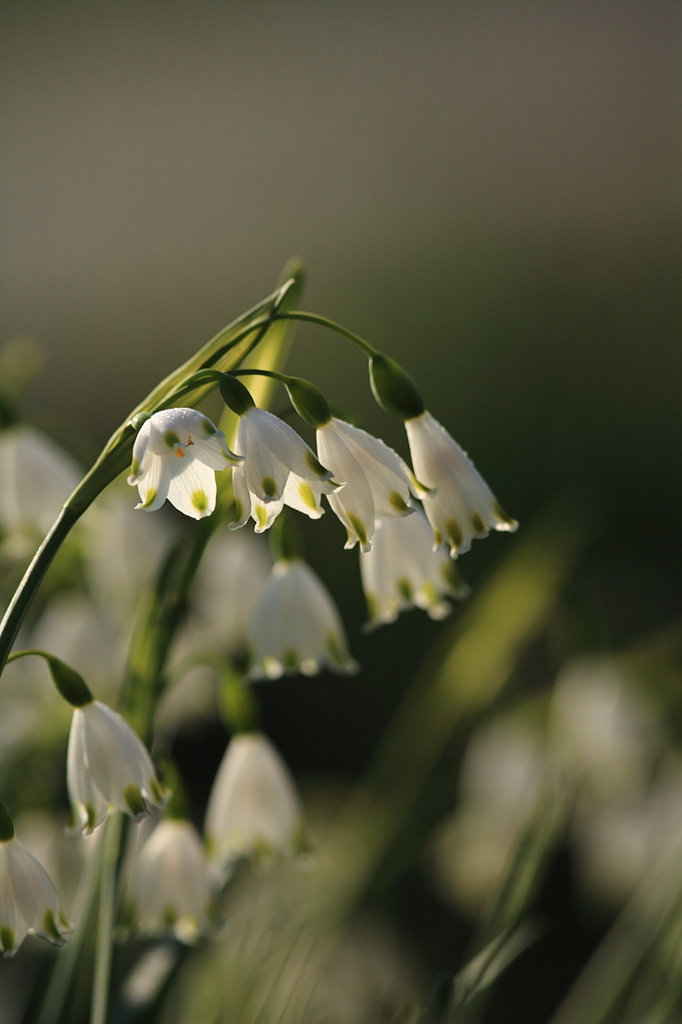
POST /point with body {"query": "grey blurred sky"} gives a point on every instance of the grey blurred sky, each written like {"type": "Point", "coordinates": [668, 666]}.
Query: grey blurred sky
{"type": "Point", "coordinates": [162, 160]}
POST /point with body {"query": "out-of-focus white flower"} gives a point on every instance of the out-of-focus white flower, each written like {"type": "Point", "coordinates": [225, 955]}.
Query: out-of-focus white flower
{"type": "Point", "coordinates": [459, 504]}
{"type": "Point", "coordinates": [253, 807]}
{"type": "Point", "coordinates": [279, 469]}
{"type": "Point", "coordinates": [295, 626]}
{"type": "Point", "coordinates": [229, 581]}
{"type": "Point", "coordinates": [28, 901]}
{"type": "Point", "coordinates": [503, 774]}
{"type": "Point", "coordinates": [228, 584]}
{"type": "Point", "coordinates": [175, 456]}
{"type": "Point", "coordinates": [403, 571]}
{"type": "Point", "coordinates": [170, 888]}
{"type": "Point", "coordinates": [601, 730]}
{"type": "Point", "coordinates": [107, 765]}
{"type": "Point", "coordinates": [122, 551]}
{"type": "Point", "coordinates": [376, 478]}
{"type": "Point", "coordinates": [36, 478]}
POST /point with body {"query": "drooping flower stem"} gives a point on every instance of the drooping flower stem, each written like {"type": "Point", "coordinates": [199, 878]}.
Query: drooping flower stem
{"type": "Point", "coordinates": [32, 579]}
{"type": "Point", "coordinates": [322, 321]}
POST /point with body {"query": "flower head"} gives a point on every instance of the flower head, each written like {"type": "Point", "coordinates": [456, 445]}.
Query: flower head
{"type": "Point", "coordinates": [295, 626]}
{"type": "Point", "coordinates": [253, 807]}
{"type": "Point", "coordinates": [175, 456]}
{"type": "Point", "coordinates": [28, 901]}
{"type": "Point", "coordinates": [170, 887]}
{"type": "Point", "coordinates": [459, 504]}
{"type": "Point", "coordinates": [107, 765]}
{"type": "Point", "coordinates": [377, 480]}
{"type": "Point", "coordinates": [402, 571]}
{"type": "Point", "coordinates": [279, 469]}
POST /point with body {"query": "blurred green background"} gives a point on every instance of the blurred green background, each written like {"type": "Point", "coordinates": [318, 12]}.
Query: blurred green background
{"type": "Point", "coordinates": [488, 191]}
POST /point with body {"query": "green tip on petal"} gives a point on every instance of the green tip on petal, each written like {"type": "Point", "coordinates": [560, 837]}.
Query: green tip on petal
{"type": "Point", "coordinates": [50, 927]}
{"type": "Point", "coordinates": [135, 801]}
{"type": "Point", "coordinates": [359, 528]}
{"type": "Point", "coordinates": [393, 388]}
{"type": "Point", "coordinates": [6, 824]}
{"type": "Point", "coordinates": [7, 940]}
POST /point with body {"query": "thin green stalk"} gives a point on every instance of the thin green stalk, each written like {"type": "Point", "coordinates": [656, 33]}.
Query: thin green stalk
{"type": "Point", "coordinates": [322, 321]}
{"type": "Point", "coordinates": [105, 920]}
{"type": "Point", "coordinates": [32, 579]}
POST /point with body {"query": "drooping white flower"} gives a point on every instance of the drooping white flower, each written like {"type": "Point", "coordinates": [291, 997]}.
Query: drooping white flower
{"type": "Point", "coordinates": [295, 626]}
{"type": "Point", "coordinates": [175, 456]}
{"type": "Point", "coordinates": [170, 887]}
{"type": "Point", "coordinates": [459, 504]}
{"type": "Point", "coordinates": [107, 765]}
{"type": "Point", "coordinates": [402, 571]}
{"type": "Point", "coordinates": [253, 807]}
{"type": "Point", "coordinates": [279, 469]}
{"type": "Point", "coordinates": [28, 901]}
{"type": "Point", "coordinates": [36, 478]}
{"type": "Point", "coordinates": [376, 478]}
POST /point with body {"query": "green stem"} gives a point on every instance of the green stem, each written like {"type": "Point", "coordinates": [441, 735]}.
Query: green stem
{"type": "Point", "coordinates": [322, 321]}
{"type": "Point", "coordinates": [32, 579]}
{"type": "Point", "coordinates": [105, 921]}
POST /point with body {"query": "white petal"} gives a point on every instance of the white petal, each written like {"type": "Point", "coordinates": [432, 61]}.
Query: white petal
{"type": "Point", "coordinates": [295, 625]}
{"type": "Point", "coordinates": [354, 505]}
{"type": "Point", "coordinates": [387, 474]}
{"type": "Point", "coordinates": [285, 444]}
{"type": "Point", "coordinates": [89, 806]}
{"type": "Point", "coordinates": [153, 482]}
{"type": "Point", "coordinates": [170, 886]}
{"type": "Point", "coordinates": [242, 498]}
{"type": "Point", "coordinates": [253, 801]}
{"type": "Point", "coordinates": [303, 495]}
{"type": "Point", "coordinates": [461, 505]}
{"type": "Point", "coordinates": [192, 487]}
{"type": "Point", "coordinates": [11, 916]}
{"type": "Point", "coordinates": [28, 901]}
{"type": "Point", "coordinates": [117, 759]}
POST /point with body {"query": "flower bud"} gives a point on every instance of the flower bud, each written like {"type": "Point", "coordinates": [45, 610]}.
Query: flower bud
{"type": "Point", "coordinates": [70, 683]}
{"type": "Point", "coordinates": [393, 388]}
{"type": "Point", "coordinates": [308, 401]}
{"type": "Point", "coordinates": [236, 396]}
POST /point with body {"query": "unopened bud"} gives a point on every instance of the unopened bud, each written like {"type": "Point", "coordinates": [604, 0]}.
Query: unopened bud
{"type": "Point", "coordinates": [308, 401]}
{"type": "Point", "coordinates": [235, 395]}
{"type": "Point", "coordinates": [393, 388]}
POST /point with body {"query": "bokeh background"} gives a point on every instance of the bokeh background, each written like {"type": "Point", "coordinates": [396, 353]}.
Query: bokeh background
{"type": "Point", "coordinates": [488, 191]}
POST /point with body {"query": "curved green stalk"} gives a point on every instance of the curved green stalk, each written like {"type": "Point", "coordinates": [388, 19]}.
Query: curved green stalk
{"type": "Point", "coordinates": [322, 321]}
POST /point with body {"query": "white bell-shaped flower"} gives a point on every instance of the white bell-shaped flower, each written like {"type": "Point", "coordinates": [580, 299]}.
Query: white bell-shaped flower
{"type": "Point", "coordinates": [253, 808]}
{"type": "Point", "coordinates": [403, 571]}
{"type": "Point", "coordinates": [170, 887]}
{"type": "Point", "coordinates": [107, 765]}
{"type": "Point", "coordinates": [376, 478]}
{"type": "Point", "coordinates": [28, 901]}
{"type": "Point", "coordinates": [175, 456]}
{"type": "Point", "coordinates": [459, 504]}
{"type": "Point", "coordinates": [279, 469]}
{"type": "Point", "coordinates": [295, 626]}
{"type": "Point", "coordinates": [36, 478]}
